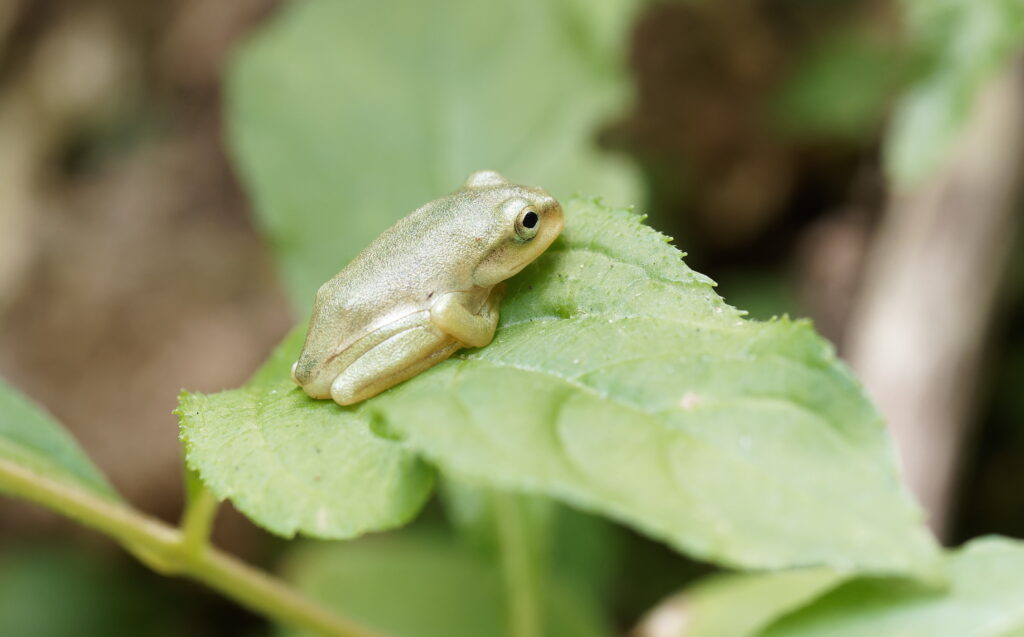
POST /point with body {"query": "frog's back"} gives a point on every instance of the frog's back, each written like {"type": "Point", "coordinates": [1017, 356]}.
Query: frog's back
{"type": "Point", "coordinates": [426, 253]}
{"type": "Point", "coordinates": [402, 264]}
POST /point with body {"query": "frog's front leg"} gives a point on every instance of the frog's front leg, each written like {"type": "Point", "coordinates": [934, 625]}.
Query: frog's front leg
{"type": "Point", "coordinates": [473, 329]}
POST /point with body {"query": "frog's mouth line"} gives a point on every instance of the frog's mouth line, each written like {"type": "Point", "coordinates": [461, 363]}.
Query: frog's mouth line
{"type": "Point", "coordinates": [519, 267]}
{"type": "Point", "coordinates": [538, 255]}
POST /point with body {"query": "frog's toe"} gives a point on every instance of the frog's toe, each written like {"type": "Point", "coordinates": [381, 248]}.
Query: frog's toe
{"type": "Point", "coordinates": [294, 379]}
{"type": "Point", "coordinates": [318, 389]}
{"type": "Point", "coordinates": [344, 392]}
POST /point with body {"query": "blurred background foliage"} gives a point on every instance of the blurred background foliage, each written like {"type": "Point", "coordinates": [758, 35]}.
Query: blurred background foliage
{"type": "Point", "coordinates": [768, 136]}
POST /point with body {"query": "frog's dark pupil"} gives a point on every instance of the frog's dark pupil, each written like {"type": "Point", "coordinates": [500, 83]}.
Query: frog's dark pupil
{"type": "Point", "coordinates": [530, 219]}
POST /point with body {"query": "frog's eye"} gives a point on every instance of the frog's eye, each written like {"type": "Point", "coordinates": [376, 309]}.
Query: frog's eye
{"type": "Point", "coordinates": [527, 224]}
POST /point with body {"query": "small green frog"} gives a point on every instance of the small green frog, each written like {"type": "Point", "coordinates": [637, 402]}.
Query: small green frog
{"type": "Point", "coordinates": [428, 286]}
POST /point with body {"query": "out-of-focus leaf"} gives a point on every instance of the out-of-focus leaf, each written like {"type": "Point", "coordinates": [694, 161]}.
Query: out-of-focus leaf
{"type": "Point", "coordinates": [31, 440]}
{"type": "Point", "coordinates": [985, 599]}
{"type": "Point", "coordinates": [471, 510]}
{"type": "Point", "coordinates": [840, 88]}
{"type": "Point", "coordinates": [55, 591]}
{"type": "Point", "coordinates": [763, 294]}
{"type": "Point", "coordinates": [586, 552]}
{"type": "Point", "coordinates": [744, 605]}
{"type": "Point", "coordinates": [580, 548]}
{"type": "Point", "coordinates": [345, 116]}
{"type": "Point", "coordinates": [964, 44]}
{"type": "Point", "coordinates": [296, 465]}
{"type": "Point", "coordinates": [415, 586]}
{"type": "Point", "coordinates": [621, 383]}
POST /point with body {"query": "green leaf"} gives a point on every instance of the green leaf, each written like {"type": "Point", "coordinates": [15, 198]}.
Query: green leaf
{"type": "Point", "coordinates": [840, 88]}
{"type": "Point", "coordinates": [471, 511]}
{"type": "Point", "coordinates": [292, 464]}
{"type": "Point", "coordinates": [745, 605]}
{"type": "Point", "coordinates": [985, 599]}
{"type": "Point", "coordinates": [344, 116]}
{"type": "Point", "coordinates": [621, 383]}
{"type": "Point", "coordinates": [59, 589]}
{"type": "Point", "coordinates": [963, 45]}
{"type": "Point", "coordinates": [32, 441]}
{"type": "Point", "coordinates": [422, 586]}
{"type": "Point", "coordinates": [618, 382]}
{"type": "Point", "coordinates": [580, 548]}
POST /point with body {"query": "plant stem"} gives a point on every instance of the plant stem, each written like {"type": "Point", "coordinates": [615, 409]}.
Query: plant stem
{"type": "Point", "coordinates": [197, 521]}
{"type": "Point", "coordinates": [519, 566]}
{"type": "Point", "coordinates": [168, 550]}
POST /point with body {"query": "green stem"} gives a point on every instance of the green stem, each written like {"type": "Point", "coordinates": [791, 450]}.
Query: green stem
{"type": "Point", "coordinates": [166, 548]}
{"type": "Point", "coordinates": [519, 566]}
{"type": "Point", "coordinates": [197, 521]}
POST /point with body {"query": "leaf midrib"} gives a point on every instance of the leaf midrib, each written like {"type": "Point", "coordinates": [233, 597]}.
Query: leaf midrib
{"type": "Point", "coordinates": [622, 512]}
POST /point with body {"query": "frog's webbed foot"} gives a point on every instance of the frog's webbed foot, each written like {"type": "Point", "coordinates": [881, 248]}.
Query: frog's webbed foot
{"type": "Point", "coordinates": [450, 314]}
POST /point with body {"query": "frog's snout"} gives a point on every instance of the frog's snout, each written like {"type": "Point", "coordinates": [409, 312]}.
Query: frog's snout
{"type": "Point", "coordinates": [313, 380]}
{"type": "Point", "coordinates": [303, 372]}
{"type": "Point", "coordinates": [553, 210]}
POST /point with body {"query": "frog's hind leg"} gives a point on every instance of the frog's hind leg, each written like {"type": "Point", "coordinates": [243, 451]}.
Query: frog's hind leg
{"type": "Point", "coordinates": [394, 360]}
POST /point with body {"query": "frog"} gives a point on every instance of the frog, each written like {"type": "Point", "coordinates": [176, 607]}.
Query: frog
{"type": "Point", "coordinates": [426, 287]}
